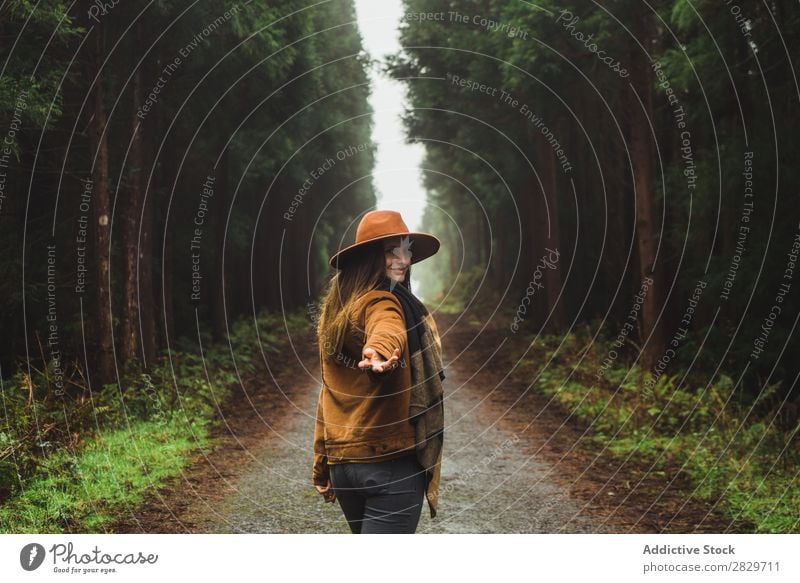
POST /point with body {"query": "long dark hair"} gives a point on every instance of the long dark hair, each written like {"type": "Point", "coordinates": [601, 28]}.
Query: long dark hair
{"type": "Point", "coordinates": [361, 274]}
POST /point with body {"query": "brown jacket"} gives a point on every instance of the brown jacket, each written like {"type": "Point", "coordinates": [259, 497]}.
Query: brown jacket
{"type": "Point", "coordinates": [363, 415]}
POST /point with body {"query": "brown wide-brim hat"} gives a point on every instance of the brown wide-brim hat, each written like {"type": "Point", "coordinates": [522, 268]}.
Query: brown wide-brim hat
{"type": "Point", "coordinates": [377, 225]}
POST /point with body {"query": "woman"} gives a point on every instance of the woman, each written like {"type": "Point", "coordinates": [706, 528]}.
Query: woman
{"type": "Point", "coordinates": [380, 415]}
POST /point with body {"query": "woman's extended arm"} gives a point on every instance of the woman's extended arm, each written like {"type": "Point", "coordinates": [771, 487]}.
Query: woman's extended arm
{"type": "Point", "coordinates": [385, 333]}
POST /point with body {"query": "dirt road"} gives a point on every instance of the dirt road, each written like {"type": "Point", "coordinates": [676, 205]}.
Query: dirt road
{"type": "Point", "coordinates": [512, 462]}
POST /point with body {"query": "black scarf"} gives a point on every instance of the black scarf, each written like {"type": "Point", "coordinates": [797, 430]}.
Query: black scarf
{"type": "Point", "coordinates": [414, 311]}
{"type": "Point", "coordinates": [426, 407]}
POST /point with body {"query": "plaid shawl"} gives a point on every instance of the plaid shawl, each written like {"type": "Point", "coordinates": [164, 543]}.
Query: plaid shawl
{"type": "Point", "coordinates": [427, 405]}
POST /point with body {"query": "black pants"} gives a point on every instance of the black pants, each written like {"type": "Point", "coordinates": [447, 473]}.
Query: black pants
{"type": "Point", "coordinates": [382, 497]}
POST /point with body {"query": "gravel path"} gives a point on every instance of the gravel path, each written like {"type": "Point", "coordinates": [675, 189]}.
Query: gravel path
{"type": "Point", "coordinates": [513, 462]}
{"type": "Point", "coordinates": [489, 485]}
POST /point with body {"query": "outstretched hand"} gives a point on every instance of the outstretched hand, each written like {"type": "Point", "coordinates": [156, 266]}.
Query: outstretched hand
{"type": "Point", "coordinates": [373, 360]}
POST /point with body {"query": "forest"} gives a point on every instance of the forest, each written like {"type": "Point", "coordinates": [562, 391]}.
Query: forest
{"type": "Point", "coordinates": [614, 180]}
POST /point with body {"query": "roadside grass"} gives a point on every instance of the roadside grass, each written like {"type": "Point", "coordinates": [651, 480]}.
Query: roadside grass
{"type": "Point", "coordinates": [84, 491]}
{"type": "Point", "coordinates": [741, 456]}
{"type": "Point", "coordinates": [107, 451]}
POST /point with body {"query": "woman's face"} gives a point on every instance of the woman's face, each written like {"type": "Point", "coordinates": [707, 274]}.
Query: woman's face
{"type": "Point", "coordinates": [397, 255]}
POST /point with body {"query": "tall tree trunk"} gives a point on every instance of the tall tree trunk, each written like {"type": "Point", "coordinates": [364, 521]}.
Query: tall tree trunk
{"type": "Point", "coordinates": [535, 288]}
{"type": "Point", "coordinates": [455, 261]}
{"type": "Point", "coordinates": [296, 275]}
{"type": "Point", "coordinates": [129, 320]}
{"type": "Point", "coordinates": [497, 246]}
{"type": "Point", "coordinates": [620, 231]}
{"type": "Point", "coordinates": [550, 252]}
{"type": "Point", "coordinates": [146, 258]}
{"type": "Point", "coordinates": [168, 286]}
{"type": "Point", "coordinates": [268, 254]}
{"type": "Point", "coordinates": [98, 140]}
{"type": "Point", "coordinates": [503, 275]}
{"type": "Point", "coordinates": [217, 236]}
{"type": "Point", "coordinates": [643, 156]}
{"type": "Point", "coordinates": [147, 310]}
{"type": "Point", "coordinates": [268, 249]}
{"type": "Point", "coordinates": [486, 240]}
{"type": "Point", "coordinates": [474, 235]}
{"type": "Point", "coordinates": [528, 217]}
{"type": "Point", "coordinates": [168, 171]}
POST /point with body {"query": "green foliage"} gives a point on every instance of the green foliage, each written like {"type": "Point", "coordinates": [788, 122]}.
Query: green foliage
{"type": "Point", "coordinates": [730, 454]}
{"type": "Point", "coordinates": [86, 490]}
{"type": "Point", "coordinates": [30, 81]}
{"type": "Point", "coordinates": [732, 87]}
{"type": "Point", "coordinates": [462, 291]}
{"type": "Point", "coordinates": [121, 441]}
